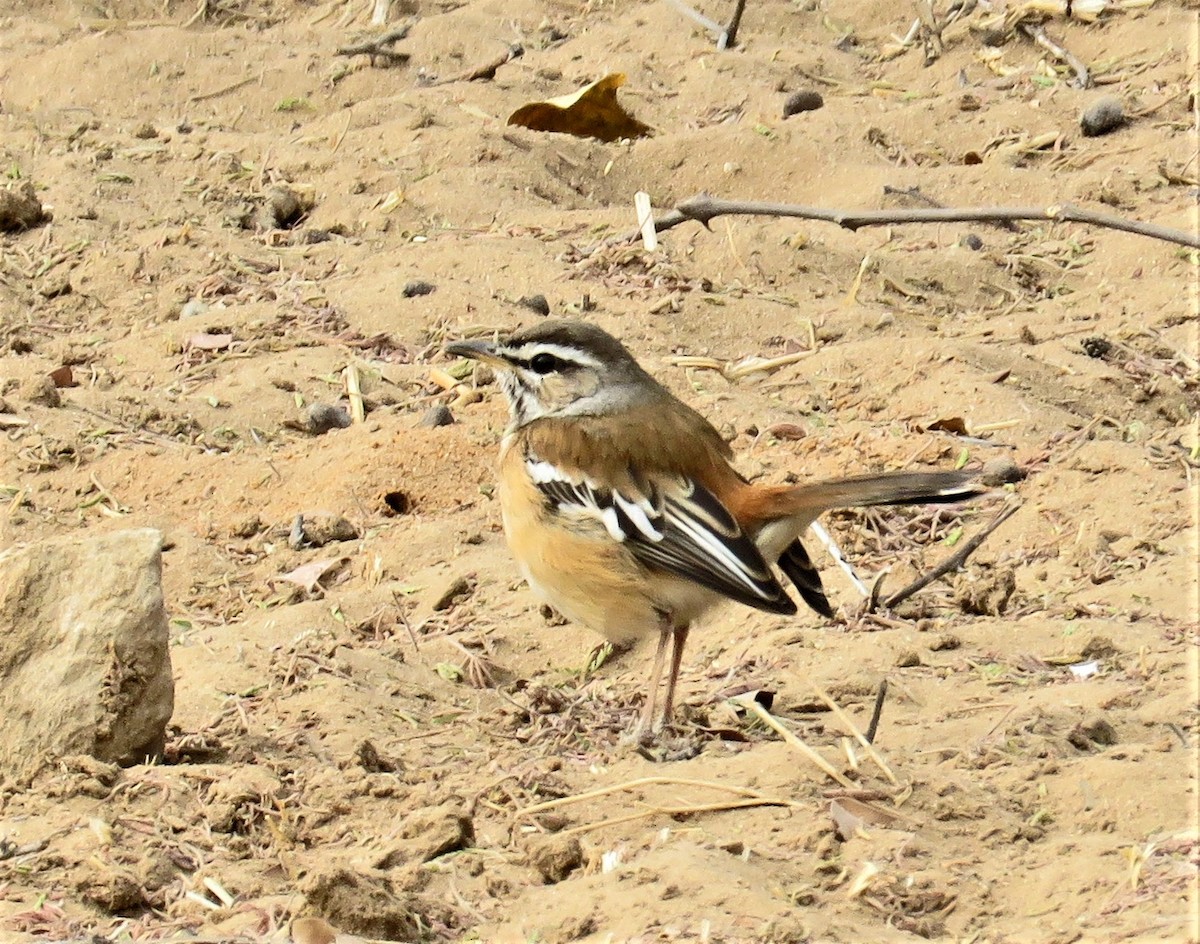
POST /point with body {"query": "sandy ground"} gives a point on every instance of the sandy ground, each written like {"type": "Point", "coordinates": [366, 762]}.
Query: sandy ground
{"type": "Point", "coordinates": [365, 747]}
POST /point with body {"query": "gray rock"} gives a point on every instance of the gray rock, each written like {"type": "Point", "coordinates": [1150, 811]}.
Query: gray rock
{"type": "Point", "coordinates": [1102, 116]}
{"type": "Point", "coordinates": [84, 663]}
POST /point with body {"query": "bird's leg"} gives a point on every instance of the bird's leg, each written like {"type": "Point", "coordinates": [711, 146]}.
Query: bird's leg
{"type": "Point", "coordinates": [647, 716]}
{"type": "Point", "coordinates": [679, 635]}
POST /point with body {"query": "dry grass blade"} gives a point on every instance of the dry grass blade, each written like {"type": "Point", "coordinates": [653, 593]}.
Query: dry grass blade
{"type": "Point", "coordinates": [687, 810]}
{"type": "Point", "coordinates": [841, 715]}
{"type": "Point", "coordinates": [772, 722]}
{"type": "Point", "coordinates": [635, 785]}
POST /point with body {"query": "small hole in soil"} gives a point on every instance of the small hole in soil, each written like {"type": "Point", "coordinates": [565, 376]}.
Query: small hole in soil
{"type": "Point", "coordinates": [398, 502]}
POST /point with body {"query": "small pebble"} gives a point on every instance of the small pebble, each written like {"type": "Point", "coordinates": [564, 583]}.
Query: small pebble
{"type": "Point", "coordinates": [1102, 116]}
{"type": "Point", "coordinates": [322, 417]}
{"type": "Point", "coordinates": [945, 642]}
{"type": "Point", "coordinates": [145, 132]}
{"type": "Point", "coordinates": [555, 857]}
{"type": "Point", "coordinates": [247, 527]}
{"type": "Point", "coordinates": [320, 530]}
{"type": "Point", "coordinates": [1095, 730]}
{"type": "Point", "coordinates": [804, 100]}
{"type": "Point", "coordinates": [973, 242]}
{"type": "Point", "coordinates": [416, 289]}
{"type": "Point", "coordinates": [459, 588]}
{"type": "Point", "coordinates": [1001, 471]}
{"type": "Point", "coordinates": [1096, 347]}
{"type": "Point", "coordinates": [42, 391]}
{"type": "Point", "coordinates": [437, 415]}
{"type": "Point", "coordinates": [283, 209]}
{"type": "Point", "coordinates": [483, 375]}
{"type": "Point", "coordinates": [193, 308]}
{"type": "Point", "coordinates": [969, 102]}
{"type": "Point", "coordinates": [1099, 647]}
{"type": "Point", "coordinates": [908, 660]}
{"type": "Point", "coordinates": [536, 303]}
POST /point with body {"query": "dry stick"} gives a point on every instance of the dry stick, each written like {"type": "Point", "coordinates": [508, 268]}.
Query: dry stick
{"type": "Point", "coordinates": [862, 739]}
{"type": "Point", "coordinates": [728, 37]}
{"type": "Point", "coordinates": [379, 45]}
{"type": "Point", "coordinates": [1037, 33]}
{"type": "Point", "coordinates": [703, 208]}
{"type": "Point", "coordinates": [953, 562]}
{"type": "Point", "coordinates": [225, 90]}
{"type": "Point", "coordinates": [877, 711]}
{"type": "Point", "coordinates": [488, 69]}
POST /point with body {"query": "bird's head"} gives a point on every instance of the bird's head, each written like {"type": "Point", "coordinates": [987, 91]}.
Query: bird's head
{"type": "Point", "coordinates": [561, 368]}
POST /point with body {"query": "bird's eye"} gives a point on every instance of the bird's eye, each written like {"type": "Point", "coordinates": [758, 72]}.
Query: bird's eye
{"type": "Point", "coordinates": [543, 363]}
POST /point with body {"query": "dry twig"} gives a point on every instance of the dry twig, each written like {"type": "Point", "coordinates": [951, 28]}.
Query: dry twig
{"type": "Point", "coordinates": [703, 208]}
{"type": "Point", "coordinates": [381, 45]}
{"type": "Point", "coordinates": [953, 562]}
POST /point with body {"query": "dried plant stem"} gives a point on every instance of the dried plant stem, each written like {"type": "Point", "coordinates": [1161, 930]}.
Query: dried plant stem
{"type": "Point", "coordinates": [635, 785]}
{"type": "Point", "coordinates": [862, 739]}
{"type": "Point", "coordinates": [680, 811]}
{"type": "Point", "coordinates": [770, 721]}
{"type": "Point", "coordinates": [703, 208]}
{"type": "Point", "coordinates": [877, 710]}
{"type": "Point", "coordinates": [1037, 33]}
{"type": "Point", "coordinates": [380, 45]}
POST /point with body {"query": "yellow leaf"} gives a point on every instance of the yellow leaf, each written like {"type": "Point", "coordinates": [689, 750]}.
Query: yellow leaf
{"type": "Point", "coordinates": [592, 112]}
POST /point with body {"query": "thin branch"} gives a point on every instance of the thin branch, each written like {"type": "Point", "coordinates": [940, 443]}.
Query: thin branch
{"type": "Point", "coordinates": [487, 71]}
{"type": "Point", "coordinates": [1037, 33]}
{"type": "Point", "coordinates": [877, 711]}
{"type": "Point", "coordinates": [953, 562]}
{"type": "Point", "coordinates": [703, 208]}
{"type": "Point", "coordinates": [380, 45]}
{"type": "Point", "coordinates": [728, 37]}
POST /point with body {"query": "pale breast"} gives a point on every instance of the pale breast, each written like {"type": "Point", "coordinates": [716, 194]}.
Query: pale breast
{"type": "Point", "coordinates": [576, 566]}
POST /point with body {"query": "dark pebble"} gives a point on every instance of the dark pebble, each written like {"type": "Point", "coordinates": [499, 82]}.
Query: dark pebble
{"type": "Point", "coordinates": [416, 289]}
{"type": "Point", "coordinates": [536, 303]}
{"type": "Point", "coordinates": [1001, 471]}
{"type": "Point", "coordinates": [322, 417]}
{"type": "Point", "coordinates": [1102, 116]}
{"type": "Point", "coordinates": [971, 241]}
{"type": "Point", "coordinates": [438, 415]}
{"type": "Point", "coordinates": [806, 100]}
{"type": "Point", "coordinates": [1099, 348]}
{"type": "Point", "coordinates": [320, 530]}
{"type": "Point", "coordinates": [457, 589]}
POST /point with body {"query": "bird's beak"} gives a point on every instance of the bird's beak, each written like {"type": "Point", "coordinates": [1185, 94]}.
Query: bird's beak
{"type": "Point", "coordinates": [476, 350]}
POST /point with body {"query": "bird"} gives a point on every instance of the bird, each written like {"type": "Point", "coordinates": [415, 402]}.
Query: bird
{"type": "Point", "coordinates": [623, 507]}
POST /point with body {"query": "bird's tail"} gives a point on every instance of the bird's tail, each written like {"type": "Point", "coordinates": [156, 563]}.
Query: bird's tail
{"type": "Point", "coordinates": [787, 510]}
{"type": "Point", "coordinates": [888, 488]}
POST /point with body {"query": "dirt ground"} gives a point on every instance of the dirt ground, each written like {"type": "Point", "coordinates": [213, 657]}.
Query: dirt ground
{"type": "Point", "coordinates": [362, 739]}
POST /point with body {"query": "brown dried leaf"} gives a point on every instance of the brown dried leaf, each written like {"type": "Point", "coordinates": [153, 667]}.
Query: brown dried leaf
{"type": "Point", "coordinates": [210, 342]}
{"type": "Point", "coordinates": [949, 424]}
{"type": "Point", "coordinates": [309, 575]}
{"type": "Point", "coordinates": [849, 815]}
{"type": "Point", "coordinates": [592, 112]}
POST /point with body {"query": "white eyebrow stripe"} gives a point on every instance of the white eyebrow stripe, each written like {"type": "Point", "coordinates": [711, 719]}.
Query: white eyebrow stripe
{"type": "Point", "coordinates": [572, 355]}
